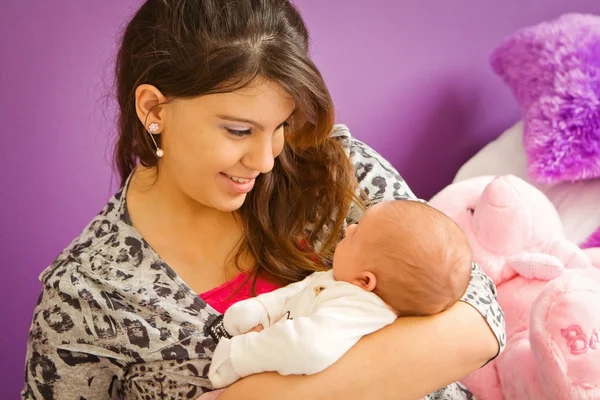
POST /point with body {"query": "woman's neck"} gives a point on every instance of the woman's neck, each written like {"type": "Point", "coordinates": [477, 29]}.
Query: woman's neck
{"type": "Point", "coordinates": [169, 204]}
{"type": "Point", "coordinates": [198, 242]}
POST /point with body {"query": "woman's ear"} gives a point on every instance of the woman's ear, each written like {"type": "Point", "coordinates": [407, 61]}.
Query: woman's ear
{"type": "Point", "coordinates": [149, 105]}
{"type": "Point", "coordinates": [366, 280]}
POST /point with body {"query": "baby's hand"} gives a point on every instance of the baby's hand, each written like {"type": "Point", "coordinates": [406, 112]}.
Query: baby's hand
{"type": "Point", "coordinates": [244, 316]}
{"type": "Point", "coordinates": [221, 372]}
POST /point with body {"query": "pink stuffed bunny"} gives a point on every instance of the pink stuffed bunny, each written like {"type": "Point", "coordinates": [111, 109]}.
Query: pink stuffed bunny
{"type": "Point", "coordinates": [546, 286]}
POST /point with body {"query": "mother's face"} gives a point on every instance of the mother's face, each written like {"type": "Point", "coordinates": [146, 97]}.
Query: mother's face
{"type": "Point", "coordinates": [216, 145]}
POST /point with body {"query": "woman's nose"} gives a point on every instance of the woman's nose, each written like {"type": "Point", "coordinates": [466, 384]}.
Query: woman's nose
{"type": "Point", "coordinates": [260, 156]}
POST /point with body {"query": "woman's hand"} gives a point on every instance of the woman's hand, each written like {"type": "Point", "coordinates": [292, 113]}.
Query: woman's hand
{"type": "Point", "coordinates": [257, 328]}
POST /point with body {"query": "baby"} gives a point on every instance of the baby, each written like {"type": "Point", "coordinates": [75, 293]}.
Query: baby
{"type": "Point", "coordinates": [405, 258]}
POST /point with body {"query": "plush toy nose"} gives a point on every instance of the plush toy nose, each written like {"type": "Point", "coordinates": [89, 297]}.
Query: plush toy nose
{"type": "Point", "coordinates": [500, 193]}
{"type": "Point", "coordinates": [501, 222]}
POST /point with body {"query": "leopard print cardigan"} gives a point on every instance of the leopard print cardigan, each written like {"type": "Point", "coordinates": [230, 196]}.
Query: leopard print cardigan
{"type": "Point", "coordinates": [114, 321]}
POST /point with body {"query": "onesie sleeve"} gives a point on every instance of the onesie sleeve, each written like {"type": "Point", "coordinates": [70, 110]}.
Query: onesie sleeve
{"type": "Point", "coordinates": [307, 345]}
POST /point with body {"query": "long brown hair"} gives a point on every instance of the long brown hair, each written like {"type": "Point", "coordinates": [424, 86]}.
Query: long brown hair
{"type": "Point", "coordinates": [189, 48]}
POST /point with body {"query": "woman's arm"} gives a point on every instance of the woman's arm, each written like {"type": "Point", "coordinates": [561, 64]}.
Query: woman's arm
{"type": "Point", "coordinates": [412, 357]}
{"type": "Point", "coordinates": [57, 365]}
{"type": "Point", "coordinates": [406, 360]}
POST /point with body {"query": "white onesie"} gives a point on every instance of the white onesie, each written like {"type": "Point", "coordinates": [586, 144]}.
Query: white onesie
{"type": "Point", "coordinates": [308, 326]}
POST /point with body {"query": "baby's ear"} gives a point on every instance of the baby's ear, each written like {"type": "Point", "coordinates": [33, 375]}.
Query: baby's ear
{"type": "Point", "coordinates": [366, 280]}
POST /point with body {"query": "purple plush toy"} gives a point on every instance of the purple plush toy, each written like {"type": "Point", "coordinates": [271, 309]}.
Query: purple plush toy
{"type": "Point", "coordinates": [553, 69]}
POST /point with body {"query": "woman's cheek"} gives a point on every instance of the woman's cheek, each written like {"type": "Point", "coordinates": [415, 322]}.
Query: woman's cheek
{"type": "Point", "coordinates": [278, 143]}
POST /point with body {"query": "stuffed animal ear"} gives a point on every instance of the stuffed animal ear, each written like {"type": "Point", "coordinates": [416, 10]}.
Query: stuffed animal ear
{"type": "Point", "coordinates": [570, 255]}
{"type": "Point", "coordinates": [544, 267]}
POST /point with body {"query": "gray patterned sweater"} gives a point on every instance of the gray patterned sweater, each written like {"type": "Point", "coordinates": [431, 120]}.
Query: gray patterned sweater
{"type": "Point", "coordinates": [113, 320]}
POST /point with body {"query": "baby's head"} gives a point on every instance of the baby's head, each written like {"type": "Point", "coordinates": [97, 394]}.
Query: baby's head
{"type": "Point", "coordinates": [408, 253]}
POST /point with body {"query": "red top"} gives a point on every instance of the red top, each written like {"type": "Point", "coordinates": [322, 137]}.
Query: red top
{"type": "Point", "coordinates": [222, 297]}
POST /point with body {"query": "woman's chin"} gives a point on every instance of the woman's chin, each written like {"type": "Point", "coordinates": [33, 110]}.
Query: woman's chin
{"type": "Point", "coordinates": [231, 204]}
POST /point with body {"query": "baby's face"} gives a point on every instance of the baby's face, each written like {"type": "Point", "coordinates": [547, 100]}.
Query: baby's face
{"type": "Point", "coordinates": [344, 259]}
{"type": "Point", "coordinates": [347, 260]}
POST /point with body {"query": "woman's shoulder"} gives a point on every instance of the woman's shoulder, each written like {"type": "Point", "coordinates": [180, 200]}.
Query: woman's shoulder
{"type": "Point", "coordinates": [360, 152]}
{"type": "Point", "coordinates": [109, 277]}
{"type": "Point", "coordinates": [377, 178]}
{"type": "Point", "coordinates": [111, 261]}
{"type": "Point", "coordinates": [110, 256]}
{"type": "Point", "coordinates": [99, 235]}
{"type": "Point", "coordinates": [109, 304]}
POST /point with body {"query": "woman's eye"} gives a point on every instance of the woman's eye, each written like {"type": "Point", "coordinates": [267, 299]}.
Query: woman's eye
{"type": "Point", "coordinates": [238, 133]}
{"type": "Point", "coordinates": [283, 128]}
{"type": "Point", "coordinates": [245, 132]}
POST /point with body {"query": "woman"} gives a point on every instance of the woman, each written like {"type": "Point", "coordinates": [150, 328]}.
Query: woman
{"type": "Point", "coordinates": [235, 181]}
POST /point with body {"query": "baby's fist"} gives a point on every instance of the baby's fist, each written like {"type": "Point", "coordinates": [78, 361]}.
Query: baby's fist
{"type": "Point", "coordinates": [245, 315]}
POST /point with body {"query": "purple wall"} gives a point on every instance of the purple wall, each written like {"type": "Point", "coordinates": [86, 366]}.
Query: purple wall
{"type": "Point", "coordinates": [410, 78]}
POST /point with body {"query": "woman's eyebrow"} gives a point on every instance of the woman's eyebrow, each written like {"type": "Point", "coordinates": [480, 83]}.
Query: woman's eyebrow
{"type": "Point", "coordinates": [249, 121]}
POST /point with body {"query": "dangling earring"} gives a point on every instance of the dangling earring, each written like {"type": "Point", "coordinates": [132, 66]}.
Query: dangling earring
{"type": "Point", "coordinates": [153, 129]}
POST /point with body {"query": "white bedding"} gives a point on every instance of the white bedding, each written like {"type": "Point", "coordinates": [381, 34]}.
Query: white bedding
{"type": "Point", "coordinates": [578, 203]}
